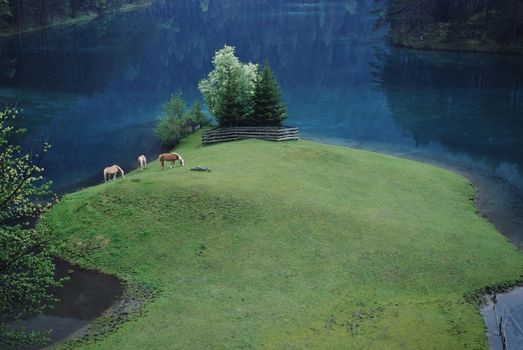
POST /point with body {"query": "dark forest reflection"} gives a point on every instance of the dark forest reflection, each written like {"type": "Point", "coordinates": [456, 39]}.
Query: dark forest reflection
{"type": "Point", "coordinates": [96, 89]}
{"type": "Point", "coordinates": [469, 103]}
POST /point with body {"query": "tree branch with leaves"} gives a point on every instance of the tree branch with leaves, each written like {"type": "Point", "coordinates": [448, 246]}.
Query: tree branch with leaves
{"type": "Point", "coordinates": [26, 266]}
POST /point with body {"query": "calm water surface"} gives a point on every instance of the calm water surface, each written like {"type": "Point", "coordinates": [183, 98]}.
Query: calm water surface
{"type": "Point", "coordinates": [85, 296]}
{"type": "Point", "coordinates": [95, 90]}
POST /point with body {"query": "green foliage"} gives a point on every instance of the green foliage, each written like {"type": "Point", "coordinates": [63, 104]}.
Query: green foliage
{"type": "Point", "coordinates": [239, 95]}
{"type": "Point", "coordinates": [231, 110]}
{"type": "Point", "coordinates": [176, 122]}
{"type": "Point", "coordinates": [26, 268]}
{"type": "Point", "coordinates": [268, 108]}
{"type": "Point", "coordinates": [353, 254]}
{"type": "Point", "coordinates": [197, 116]}
{"type": "Point", "coordinates": [229, 88]}
{"type": "Point", "coordinates": [13, 338]}
{"type": "Point", "coordinates": [169, 130]}
{"type": "Point", "coordinates": [174, 106]}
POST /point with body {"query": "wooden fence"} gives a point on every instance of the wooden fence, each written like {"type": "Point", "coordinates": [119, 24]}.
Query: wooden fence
{"type": "Point", "coordinates": [245, 132]}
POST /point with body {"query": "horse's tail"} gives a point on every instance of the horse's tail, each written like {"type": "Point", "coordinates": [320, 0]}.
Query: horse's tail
{"type": "Point", "coordinates": [105, 175]}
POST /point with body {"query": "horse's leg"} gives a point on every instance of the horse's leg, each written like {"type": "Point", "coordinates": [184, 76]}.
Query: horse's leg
{"type": "Point", "coordinates": [163, 167]}
{"type": "Point", "coordinates": [172, 163]}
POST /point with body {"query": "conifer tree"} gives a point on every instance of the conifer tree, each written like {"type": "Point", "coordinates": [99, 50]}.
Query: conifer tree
{"type": "Point", "coordinates": [268, 107]}
{"type": "Point", "coordinates": [229, 111]}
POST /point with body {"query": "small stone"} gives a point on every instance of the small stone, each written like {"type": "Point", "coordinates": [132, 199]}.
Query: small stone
{"type": "Point", "coordinates": [201, 168]}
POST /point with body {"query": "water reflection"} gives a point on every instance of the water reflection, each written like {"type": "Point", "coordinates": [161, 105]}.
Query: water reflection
{"type": "Point", "coordinates": [84, 297]}
{"type": "Point", "coordinates": [467, 102]}
{"type": "Point", "coordinates": [502, 314]}
{"type": "Point", "coordinates": [96, 89]}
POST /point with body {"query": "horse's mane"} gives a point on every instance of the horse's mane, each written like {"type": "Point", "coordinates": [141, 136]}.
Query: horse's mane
{"type": "Point", "coordinates": [180, 159]}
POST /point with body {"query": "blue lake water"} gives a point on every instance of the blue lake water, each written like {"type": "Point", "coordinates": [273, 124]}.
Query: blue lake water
{"type": "Point", "coordinates": [95, 90]}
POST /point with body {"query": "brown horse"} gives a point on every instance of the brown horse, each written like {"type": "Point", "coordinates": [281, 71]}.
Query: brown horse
{"type": "Point", "coordinates": [112, 170]}
{"type": "Point", "coordinates": [170, 157]}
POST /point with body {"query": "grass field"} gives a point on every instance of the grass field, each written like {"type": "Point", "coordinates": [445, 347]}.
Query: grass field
{"type": "Point", "coordinates": [294, 245]}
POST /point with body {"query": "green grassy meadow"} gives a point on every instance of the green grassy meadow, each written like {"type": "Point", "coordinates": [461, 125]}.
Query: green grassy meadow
{"type": "Point", "coordinates": [294, 245]}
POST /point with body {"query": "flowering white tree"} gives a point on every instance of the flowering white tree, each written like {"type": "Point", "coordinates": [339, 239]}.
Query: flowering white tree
{"type": "Point", "coordinates": [26, 267]}
{"type": "Point", "coordinates": [229, 88]}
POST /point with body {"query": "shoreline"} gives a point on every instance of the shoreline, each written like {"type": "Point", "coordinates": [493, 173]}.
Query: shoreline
{"type": "Point", "coordinates": [455, 50]}
{"type": "Point", "coordinates": [80, 20]}
{"type": "Point", "coordinates": [484, 298]}
{"type": "Point", "coordinates": [473, 177]}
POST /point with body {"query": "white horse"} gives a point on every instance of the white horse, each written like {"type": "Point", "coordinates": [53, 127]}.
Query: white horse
{"type": "Point", "coordinates": [142, 161]}
{"type": "Point", "coordinates": [112, 170]}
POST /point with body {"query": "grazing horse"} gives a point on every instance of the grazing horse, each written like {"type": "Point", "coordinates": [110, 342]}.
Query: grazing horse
{"type": "Point", "coordinates": [112, 170]}
{"type": "Point", "coordinates": [171, 157]}
{"type": "Point", "coordinates": [142, 161]}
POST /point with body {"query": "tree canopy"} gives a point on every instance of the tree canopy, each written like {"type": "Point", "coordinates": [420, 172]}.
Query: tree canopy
{"type": "Point", "coordinates": [238, 94]}
{"type": "Point", "coordinates": [268, 108]}
{"type": "Point", "coordinates": [177, 121]}
{"type": "Point", "coordinates": [26, 267]}
{"type": "Point", "coordinates": [229, 88]}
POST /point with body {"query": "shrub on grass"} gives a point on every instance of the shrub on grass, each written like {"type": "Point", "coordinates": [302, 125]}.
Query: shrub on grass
{"type": "Point", "coordinates": [176, 122]}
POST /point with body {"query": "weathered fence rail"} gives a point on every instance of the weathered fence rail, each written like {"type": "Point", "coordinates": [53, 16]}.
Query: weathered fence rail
{"type": "Point", "coordinates": [244, 132]}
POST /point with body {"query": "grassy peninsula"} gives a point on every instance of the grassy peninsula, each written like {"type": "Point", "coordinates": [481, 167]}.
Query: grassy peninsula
{"type": "Point", "coordinates": [294, 245]}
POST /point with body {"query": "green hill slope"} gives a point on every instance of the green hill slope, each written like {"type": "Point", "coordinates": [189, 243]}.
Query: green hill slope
{"type": "Point", "coordinates": [293, 245]}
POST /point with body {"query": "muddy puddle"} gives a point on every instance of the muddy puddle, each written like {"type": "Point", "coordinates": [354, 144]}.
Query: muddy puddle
{"type": "Point", "coordinates": [84, 297]}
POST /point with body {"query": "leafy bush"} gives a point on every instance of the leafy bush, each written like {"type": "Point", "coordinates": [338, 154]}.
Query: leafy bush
{"type": "Point", "coordinates": [197, 116]}
{"type": "Point", "coordinates": [177, 122]}
{"type": "Point", "coordinates": [26, 266]}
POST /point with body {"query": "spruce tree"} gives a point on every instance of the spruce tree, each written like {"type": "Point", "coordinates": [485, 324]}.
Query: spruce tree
{"type": "Point", "coordinates": [229, 111]}
{"type": "Point", "coordinates": [268, 107]}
